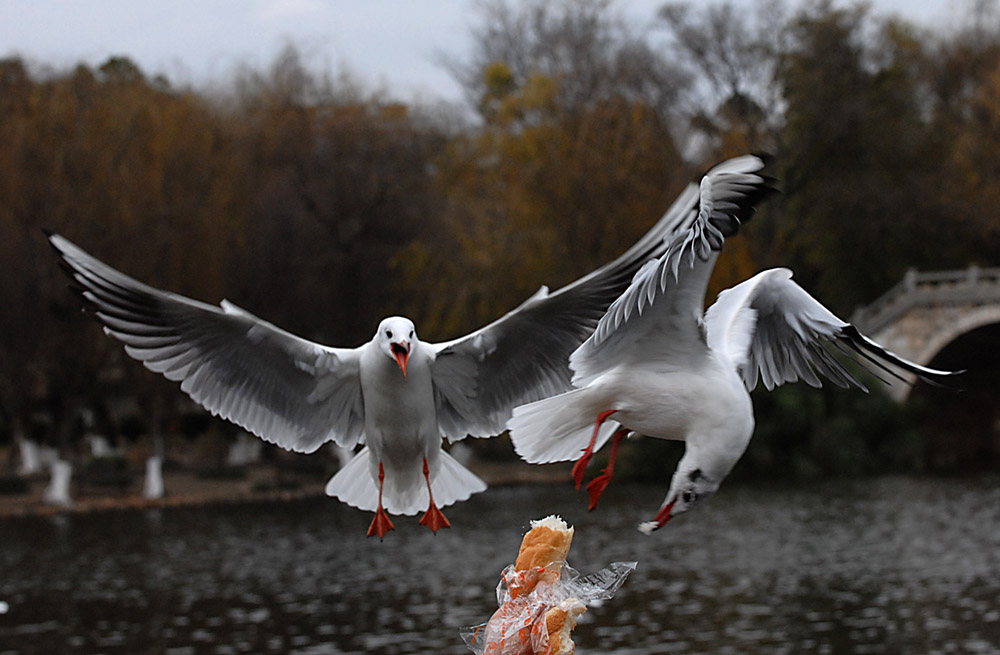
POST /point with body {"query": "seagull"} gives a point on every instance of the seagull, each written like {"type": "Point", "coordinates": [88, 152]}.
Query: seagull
{"type": "Point", "coordinates": [658, 365]}
{"type": "Point", "coordinates": [397, 395]}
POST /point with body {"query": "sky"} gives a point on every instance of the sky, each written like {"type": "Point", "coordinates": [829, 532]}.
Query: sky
{"type": "Point", "coordinates": [391, 45]}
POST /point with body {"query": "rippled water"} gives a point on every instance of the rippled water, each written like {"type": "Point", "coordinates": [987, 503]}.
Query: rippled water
{"type": "Point", "coordinates": [893, 565]}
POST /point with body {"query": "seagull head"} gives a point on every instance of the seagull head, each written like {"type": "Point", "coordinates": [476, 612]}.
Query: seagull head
{"type": "Point", "coordinates": [395, 338]}
{"type": "Point", "coordinates": [689, 487]}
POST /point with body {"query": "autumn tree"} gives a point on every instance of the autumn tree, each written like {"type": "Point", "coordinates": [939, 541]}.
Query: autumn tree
{"type": "Point", "coordinates": [334, 182]}
{"type": "Point", "coordinates": [732, 53]}
{"type": "Point", "coordinates": [134, 172]}
{"type": "Point", "coordinates": [857, 163]}
{"type": "Point", "coordinates": [575, 159]}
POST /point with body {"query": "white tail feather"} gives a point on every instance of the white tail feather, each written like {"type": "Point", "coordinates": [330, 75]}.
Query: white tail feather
{"type": "Point", "coordinates": [454, 483]}
{"type": "Point", "coordinates": [557, 429]}
{"type": "Point", "coordinates": [355, 486]}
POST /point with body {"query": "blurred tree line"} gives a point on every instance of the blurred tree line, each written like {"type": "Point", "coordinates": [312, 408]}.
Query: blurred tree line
{"type": "Point", "coordinates": [323, 207]}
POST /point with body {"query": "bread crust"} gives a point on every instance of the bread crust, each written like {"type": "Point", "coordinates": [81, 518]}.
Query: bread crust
{"type": "Point", "coordinates": [545, 545]}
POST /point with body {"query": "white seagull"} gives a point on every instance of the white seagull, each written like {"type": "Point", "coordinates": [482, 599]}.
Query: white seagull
{"type": "Point", "coordinates": [396, 394]}
{"type": "Point", "coordinates": [657, 365]}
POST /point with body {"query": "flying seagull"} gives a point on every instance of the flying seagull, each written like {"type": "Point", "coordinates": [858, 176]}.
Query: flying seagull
{"type": "Point", "coordinates": [658, 365]}
{"type": "Point", "coordinates": [396, 394]}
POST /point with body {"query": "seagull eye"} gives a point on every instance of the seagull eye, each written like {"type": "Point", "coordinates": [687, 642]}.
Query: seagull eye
{"type": "Point", "coordinates": [411, 334]}
{"type": "Point", "coordinates": [388, 333]}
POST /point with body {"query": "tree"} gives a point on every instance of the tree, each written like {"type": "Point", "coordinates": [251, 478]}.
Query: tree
{"type": "Point", "coordinates": [732, 53]}
{"type": "Point", "coordinates": [334, 184]}
{"type": "Point", "coordinates": [857, 158]}
{"type": "Point", "coordinates": [574, 161]}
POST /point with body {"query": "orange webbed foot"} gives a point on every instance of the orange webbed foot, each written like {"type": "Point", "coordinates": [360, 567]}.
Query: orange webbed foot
{"type": "Point", "coordinates": [381, 524]}
{"type": "Point", "coordinates": [434, 519]}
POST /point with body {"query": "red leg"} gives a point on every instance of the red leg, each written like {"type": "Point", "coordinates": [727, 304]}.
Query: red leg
{"type": "Point", "coordinates": [433, 518]}
{"type": "Point", "coordinates": [600, 483]}
{"type": "Point", "coordinates": [588, 452]}
{"type": "Point", "coordinates": [380, 524]}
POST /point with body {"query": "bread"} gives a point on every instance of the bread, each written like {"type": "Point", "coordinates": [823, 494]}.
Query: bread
{"type": "Point", "coordinates": [538, 608]}
{"type": "Point", "coordinates": [539, 563]}
{"type": "Point", "coordinates": [545, 545]}
{"type": "Point", "coordinates": [559, 623]}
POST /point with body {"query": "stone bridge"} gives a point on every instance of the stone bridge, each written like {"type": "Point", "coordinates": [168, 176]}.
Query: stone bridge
{"type": "Point", "coordinates": [926, 312]}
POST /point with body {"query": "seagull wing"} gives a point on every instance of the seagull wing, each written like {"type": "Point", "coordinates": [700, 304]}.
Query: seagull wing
{"type": "Point", "coordinates": [659, 316]}
{"type": "Point", "coordinates": [772, 330]}
{"type": "Point", "coordinates": [523, 356]}
{"type": "Point", "coordinates": [286, 390]}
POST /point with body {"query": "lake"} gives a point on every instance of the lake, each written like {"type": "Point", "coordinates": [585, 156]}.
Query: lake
{"type": "Point", "coordinates": [886, 565]}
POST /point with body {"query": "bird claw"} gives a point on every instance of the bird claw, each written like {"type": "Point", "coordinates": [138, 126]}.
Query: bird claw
{"type": "Point", "coordinates": [381, 524]}
{"type": "Point", "coordinates": [434, 519]}
{"type": "Point", "coordinates": [581, 465]}
{"type": "Point", "coordinates": [596, 487]}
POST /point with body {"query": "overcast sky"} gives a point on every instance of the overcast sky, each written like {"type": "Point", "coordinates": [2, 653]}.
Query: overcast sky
{"type": "Point", "coordinates": [390, 44]}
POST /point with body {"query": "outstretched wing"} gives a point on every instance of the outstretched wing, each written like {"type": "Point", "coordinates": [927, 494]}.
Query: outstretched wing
{"type": "Point", "coordinates": [284, 389]}
{"type": "Point", "coordinates": [523, 356]}
{"type": "Point", "coordinates": [772, 330]}
{"type": "Point", "coordinates": [659, 314]}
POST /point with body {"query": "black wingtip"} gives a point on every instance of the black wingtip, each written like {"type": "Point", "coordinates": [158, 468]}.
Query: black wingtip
{"type": "Point", "coordinates": [879, 356]}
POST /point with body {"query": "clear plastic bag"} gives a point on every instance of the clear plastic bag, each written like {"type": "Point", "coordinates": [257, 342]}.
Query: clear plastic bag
{"type": "Point", "coordinates": [518, 627]}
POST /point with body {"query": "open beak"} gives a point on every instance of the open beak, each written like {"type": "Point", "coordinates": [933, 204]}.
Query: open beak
{"type": "Point", "coordinates": [401, 351]}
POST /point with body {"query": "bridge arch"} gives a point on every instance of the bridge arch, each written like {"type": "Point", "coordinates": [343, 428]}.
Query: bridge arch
{"type": "Point", "coordinates": [919, 317]}
{"type": "Point", "coordinates": [948, 320]}
{"type": "Point", "coordinates": [967, 322]}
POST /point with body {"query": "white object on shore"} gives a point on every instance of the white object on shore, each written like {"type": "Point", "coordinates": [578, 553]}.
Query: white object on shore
{"type": "Point", "coordinates": [245, 450]}
{"type": "Point", "coordinates": [152, 487]}
{"type": "Point", "coordinates": [34, 458]}
{"type": "Point", "coordinates": [57, 493]}
{"type": "Point", "coordinates": [100, 446]}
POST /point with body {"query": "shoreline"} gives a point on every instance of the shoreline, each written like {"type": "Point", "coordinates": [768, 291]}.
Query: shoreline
{"type": "Point", "coordinates": [261, 483]}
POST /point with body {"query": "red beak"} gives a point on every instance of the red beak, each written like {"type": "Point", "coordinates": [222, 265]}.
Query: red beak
{"type": "Point", "coordinates": [401, 351]}
{"type": "Point", "coordinates": [663, 515]}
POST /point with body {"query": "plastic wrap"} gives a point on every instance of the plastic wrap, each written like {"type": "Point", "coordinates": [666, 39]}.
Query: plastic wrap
{"type": "Point", "coordinates": [518, 627]}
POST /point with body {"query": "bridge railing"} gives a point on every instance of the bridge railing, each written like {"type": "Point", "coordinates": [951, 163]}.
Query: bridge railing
{"type": "Point", "coordinates": [970, 286]}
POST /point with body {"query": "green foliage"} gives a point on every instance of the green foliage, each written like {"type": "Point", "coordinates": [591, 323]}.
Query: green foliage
{"type": "Point", "coordinates": [804, 432]}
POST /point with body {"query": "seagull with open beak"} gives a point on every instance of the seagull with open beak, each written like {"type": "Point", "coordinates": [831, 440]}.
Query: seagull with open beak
{"type": "Point", "coordinates": [397, 395]}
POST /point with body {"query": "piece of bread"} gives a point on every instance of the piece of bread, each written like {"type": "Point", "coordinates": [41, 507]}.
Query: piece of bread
{"type": "Point", "coordinates": [559, 623]}
{"type": "Point", "coordinates": [545, 545]}
{"type": "Point", "coordinates": [535, 580]}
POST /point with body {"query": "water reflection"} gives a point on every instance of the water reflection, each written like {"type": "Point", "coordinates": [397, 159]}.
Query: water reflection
{"type": "Point", "coordinates": [871, 566]}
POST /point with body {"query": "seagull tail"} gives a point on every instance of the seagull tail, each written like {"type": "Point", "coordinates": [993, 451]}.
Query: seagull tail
{"type": "Point", "coordinates": [556, 429]}
{"type": "Point", "coordinates": [453, 482]}
{"type": "Point", "coordinates": [353, 484]}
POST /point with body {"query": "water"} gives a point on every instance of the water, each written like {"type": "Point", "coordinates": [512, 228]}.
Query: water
{"type": "Point", "coordinates": [894, 565]}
